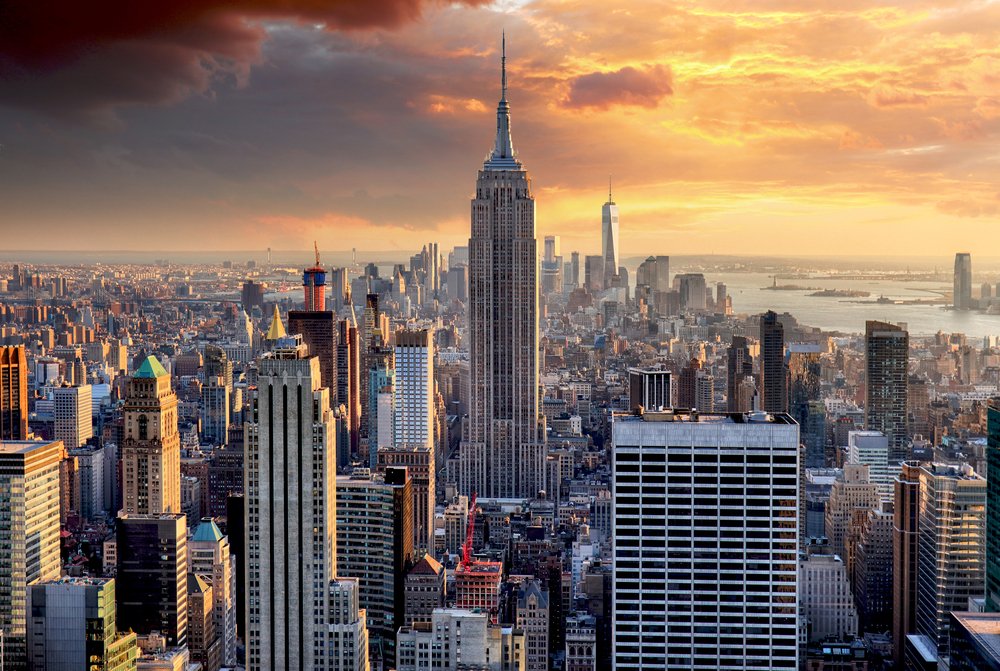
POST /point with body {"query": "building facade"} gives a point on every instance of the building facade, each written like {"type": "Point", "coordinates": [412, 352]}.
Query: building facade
{"type": "Point", "coordinates": [150, 450]}
{"type": "Point", "coordinates": [504, 455]}
{"type": "Point", "coordinates": [720, 542]}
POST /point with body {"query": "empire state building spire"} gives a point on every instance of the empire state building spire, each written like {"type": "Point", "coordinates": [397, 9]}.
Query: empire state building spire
{"type": "Point", "coordinates": [503, 157]}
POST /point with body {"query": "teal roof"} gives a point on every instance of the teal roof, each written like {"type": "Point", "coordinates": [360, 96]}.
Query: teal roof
{"type": "Point", "coordinates": [151, 368]}
{"type": "Point", "coordinates": [207, 531]}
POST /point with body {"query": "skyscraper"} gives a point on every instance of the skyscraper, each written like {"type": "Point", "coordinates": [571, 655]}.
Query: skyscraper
{"type": "Point", "coordinates": [804, 381]}
{"type": "Point", "coordinates": [906, 508]}
{"type": "Point", "coordinates": [728, 555]}
{"type": "Point", "coordinates": [993, 505]}
{"type": "Point", "coordinates": [650, 389]}
{"type": "Point", "coordinates": [151, 461]}
{"type": "Point", "coordinates": [209, 557]}
{"type": "Point", "coordinates": [29, 534]}
{"type": "Point", "coordinates": [504, 455]}
{"type": "Point", "coordinates": [319, 332]}
{"type": "Point", "coordinates": [375, 545]}
{"type": "Point", "coordinates": [887, 351]}
{"type": "Point", "coordinates": [13, 393]}
{"type": "Point", "coordinates": [314, 286]}
{"type": "Point", "coordinates": [739, 366]}
{"type": "Point", "coordinates": [215, 406]}
{"type": "Point", "coordinates": [72, 624]}
{"type": "Point", "coordinates": [773, 377]}
{"type": "Point", "coordinates": [609, 241]}
{"type": "Point", "coordinates": [290, 511]}
{"type": "Point", "coordinates": [73, 409]}
{"type": "Point", "coordinates": [950, 547]}
{"type": "Point", "coordinates": [962, 289]}
{"type": "Point", "coordinates": [152, 575]}
{"type": "Point", "coordinates": [349, 382]}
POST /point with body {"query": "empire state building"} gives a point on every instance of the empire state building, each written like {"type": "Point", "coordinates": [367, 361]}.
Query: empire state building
{"type": "Point", "coordinates": [503, 454]}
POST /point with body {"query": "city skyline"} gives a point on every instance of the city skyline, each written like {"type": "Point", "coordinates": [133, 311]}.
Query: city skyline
{"type": "Point", "coordinates": [717, 120]}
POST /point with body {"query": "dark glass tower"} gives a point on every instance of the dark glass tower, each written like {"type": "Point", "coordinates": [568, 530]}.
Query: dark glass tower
{"type": "Point", "coordinates": [773, 383]}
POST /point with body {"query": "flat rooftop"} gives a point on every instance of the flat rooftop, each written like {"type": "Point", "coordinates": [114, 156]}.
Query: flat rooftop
{"type": "Point", "coordinates": [22, 446]}
{"type": "Point", "coordinates": [984, 629]}
{"type": "Point", "coordinates": [693, 416]}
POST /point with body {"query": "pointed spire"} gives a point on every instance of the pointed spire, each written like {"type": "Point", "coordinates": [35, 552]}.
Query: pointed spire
{"type": "Point", "coordinates": [502, 157]}
{"type": "Point", "coordinates": [503, 65]}
{"type": "Point", "coordinates": [277, 328]}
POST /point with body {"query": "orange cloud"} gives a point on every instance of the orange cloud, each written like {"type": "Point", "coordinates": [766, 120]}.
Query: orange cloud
{"type": "Point", "coordinates": [628, 86]}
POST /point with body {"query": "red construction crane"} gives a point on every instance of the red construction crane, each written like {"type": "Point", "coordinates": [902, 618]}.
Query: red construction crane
{"type": "Point", "coordinates": [467, 546]}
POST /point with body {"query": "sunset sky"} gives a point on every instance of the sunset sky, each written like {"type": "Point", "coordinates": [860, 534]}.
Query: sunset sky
{"type": "Point", "coordinates": [767, 126]}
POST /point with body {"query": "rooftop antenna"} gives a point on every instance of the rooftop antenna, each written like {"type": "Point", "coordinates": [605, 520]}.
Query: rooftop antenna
{"type": "Point", "coordinates": [609, 189]}
{"type": "Point", "coordinates": [503, 65]}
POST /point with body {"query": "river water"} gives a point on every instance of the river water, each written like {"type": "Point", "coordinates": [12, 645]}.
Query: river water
{"type": "Point", "coordinates": [849, 314]}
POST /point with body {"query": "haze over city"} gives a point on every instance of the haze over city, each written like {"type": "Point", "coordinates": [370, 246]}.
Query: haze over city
{"type": "Point", "coordinates": [726, 127]}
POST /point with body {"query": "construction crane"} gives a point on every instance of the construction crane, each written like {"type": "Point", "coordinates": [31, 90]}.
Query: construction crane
{"type": "Point", "coordinates": [316, 249]}
{"type": "Point", "coordinates": [467, 545]}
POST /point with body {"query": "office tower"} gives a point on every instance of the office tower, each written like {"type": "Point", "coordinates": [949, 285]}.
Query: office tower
{"type": "Point", "coordinates": [692, 289]}
{"type": "Point", "coordinates": [739, 366]}
{"type": "Point", "coordinates": [552, 267]}
{"type": "Point", "coordinates": [854, 490]}
{"type": "Point", "coordinates": [962, 289]}
{"type": "Point", "coordinates": [773, 377]}
{"type": "Point", "coordinates": [574, 270]}
{"type": "Point", "coordinates": [730, 555]}
{"type": "Point", "coordinates": [73, 411]}
{"type": "Point", "coordinates": [887, 350]}
{"type": "Point", "coordinates": [90, 481]}
{"type": "Point", "coordinates": [906, 506]}
{"type": "Point", "coordinates": [993, 505]}
{"type": "Point", "coordinates": [203, 641]}
{"type": "Point", "coordinates": [349, 381]}
{"type": "Point", "coordinates": [13, 393]}
{"type": "Point", "coordinates": [348, 627]}
{"type": "Point", "coordinates": [974, 641]}
{"type": "Point", "coordinates": [804, 387]}
{"type": "Point", "coordinates": [424, 590]}
{"type": "Point", "coordinates": [826, 599]}
{"type": "Point", "coordinates": [696, 388]}
{"type": "Point", "coordinates": [314, 286]}
{"type": "Point", "coordinates": [917, 407]}
{"type": "Point", "coordinates": [460, 639]}
{"type": "Point", "coordinates": [872, 580]}
{"type": "Point", "coordinates": [252, 296]}
{"type": "Point", "coordinates": [381, 383]}
{"type": "Point", "coordinates": [609, 241]}
{"type": "Point", "coordinates": [338, 287]}
{"type": "Point", "coordinates": [504, 455]}
{"type": "Point", "coordinates": [413, 397]}
{"type": "Point", "coordinates": [650, 389]}
{"type": "Point", "coordinates": [532, 617]}
{"type": "Point", "coordinates": [593, 273]}
{"type": "Point", "coordinates": [985, 292]}
{"type": "Point", "coordinates": [151, 466]}
{"type": "Point", "coordinates": [152, 573]}
{"type": "Point", "coordinates": [551, 247]}
{"type": "Point", "coordinates": [950, 547]}
{"type": "Point", "coordinates": [290, 511]}
{"type": "Point", "coordinates": [375, 545]}
{"type": "Point", "coordinates": [721, 297]}
{"type": "Point", "coordinates": [215, 407]}
{"type": "Point", "coordinates": [319, 333]}
{"type": "Point", "coordinates": [210, 558]}
{"type": "Point", "coordinates": [72, 625]}
{"type": "Point", "coordinates": [662, 274]}
{"type": "Point", "coordinates": [872, 449]}
{"type": "Point", "coordinates": [29, 534]}
{"type": "Point", "coordinates": [420, 465]}
{"type": "Point", "coordinates": [217, 363]}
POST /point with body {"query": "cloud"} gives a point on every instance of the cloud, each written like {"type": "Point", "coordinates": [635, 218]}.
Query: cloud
{"type": "Point", "coordinates": [883, 96]}
{"type": "Point", "coordinates": [66, 57]}
{"type": "Point", "coordinates": [628, 86]}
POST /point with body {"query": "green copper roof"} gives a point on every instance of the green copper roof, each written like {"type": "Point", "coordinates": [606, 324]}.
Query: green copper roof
{"type": "Point", "coordinates": [207, 531]}
{"type": "Point", "coordinates": [151, 368]}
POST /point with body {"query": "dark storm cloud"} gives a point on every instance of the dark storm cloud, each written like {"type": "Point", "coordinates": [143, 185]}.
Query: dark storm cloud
{"type": "Point", "coordinates": [627, 86]}
{"type": "Point", "coordinates": [65, 56]}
